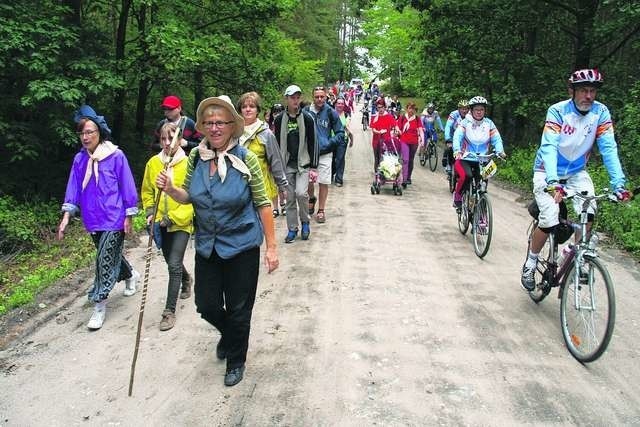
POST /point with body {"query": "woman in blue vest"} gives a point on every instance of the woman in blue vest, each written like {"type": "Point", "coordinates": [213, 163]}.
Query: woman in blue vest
{"type": "Point", "coordinates": [233, 213]}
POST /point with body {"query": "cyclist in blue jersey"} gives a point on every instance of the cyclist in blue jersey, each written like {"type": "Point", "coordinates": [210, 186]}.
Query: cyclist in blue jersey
{"type": "Point", "coordinates": [454, 119]}
{"type": "Point", "coordinates": [472, 137]}
{"type": "Point", "coordinates": [430, 117]}
{"type": "Point", "coordinates": [570, 131]}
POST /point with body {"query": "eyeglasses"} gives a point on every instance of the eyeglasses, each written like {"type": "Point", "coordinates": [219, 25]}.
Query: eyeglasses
{"type": "Point", "coordinates": [86, 133]}
{"type": "Point", "coordinates": [219, 124]}
{"type": "Point", "coordinates": [168, 108]}
{"type": "Point", "coordinates": [319, 97]}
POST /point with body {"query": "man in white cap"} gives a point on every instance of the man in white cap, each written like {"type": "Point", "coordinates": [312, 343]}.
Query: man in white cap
{"type": "Point", "coordinates": [295, 132]}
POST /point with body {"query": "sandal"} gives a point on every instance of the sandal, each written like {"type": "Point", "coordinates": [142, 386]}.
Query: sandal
{"type": "Point", "coordinates": [320, 216]}
{"type": "Point", "coordinates": [276, 213]}
{"type": "Point", "coordinates": [312, 205]}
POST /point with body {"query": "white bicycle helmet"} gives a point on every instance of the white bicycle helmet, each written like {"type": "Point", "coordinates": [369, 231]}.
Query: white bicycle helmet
{"type": "Point", "coordinates": [478, 100]}
{"type": "Point", "coordinates": [589, 76]}
{"type": "Point", "coordinates": [431, 105]}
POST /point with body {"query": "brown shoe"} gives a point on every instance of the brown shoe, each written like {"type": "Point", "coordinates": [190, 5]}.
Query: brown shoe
{"type": "Point", "coordinates": [185, 292]}
{"type": "Point", "coordinates": [168, 320]}
{"type": "Point", "coordinates": [320, 216]}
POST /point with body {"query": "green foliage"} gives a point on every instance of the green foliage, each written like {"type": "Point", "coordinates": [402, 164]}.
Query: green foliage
{"type": "Point", "coordinates": [41, 268]}
{"type": "Point", "coordinates": [25, 226]}
{"type": "Point", "coordinates": [392, 37]}
{"type": "Point", "coordinates": [518, 169]}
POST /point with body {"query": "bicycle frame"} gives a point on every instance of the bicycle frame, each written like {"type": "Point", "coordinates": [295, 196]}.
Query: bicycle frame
{"type": "Point", "coordinates": [581, 248]}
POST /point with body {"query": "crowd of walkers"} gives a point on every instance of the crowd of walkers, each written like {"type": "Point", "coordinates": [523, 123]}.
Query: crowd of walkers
{"type": "Point", "coordinates": [237, 166]}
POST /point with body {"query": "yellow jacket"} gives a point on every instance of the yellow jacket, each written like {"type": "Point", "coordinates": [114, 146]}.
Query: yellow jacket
{"type": "Point", "coordinates": [180, 215]}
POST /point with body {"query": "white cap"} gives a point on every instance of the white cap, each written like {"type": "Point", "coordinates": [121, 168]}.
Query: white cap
{"type": "Point", "coordinates": [292, 89]}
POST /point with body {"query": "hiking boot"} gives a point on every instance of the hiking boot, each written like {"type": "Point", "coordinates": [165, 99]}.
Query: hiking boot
{"type": "Point", "coordinates": [291, 236]}
{"type": "Point", "coordinates": [306, 230]}
{"type": "Point", "coordinates": [185, 291]}
{"type": "Point", "coordinates": [233, 376]}
{"type": "Point", "coordinates": [130, 283]}
{"type": "Point", "coordinates": [528, 279]}
{"type": "Point", "coordinates": [97, 318]}
{"type": "Point", "coordinates": [168, 320]}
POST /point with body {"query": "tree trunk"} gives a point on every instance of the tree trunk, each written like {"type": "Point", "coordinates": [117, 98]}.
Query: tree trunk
{"type": "Point", "coordinates": [143, 83]}
{"type": "Point", "coordinates": [585, 18]}
{"type": "Point", "coordinates": [119, 99]}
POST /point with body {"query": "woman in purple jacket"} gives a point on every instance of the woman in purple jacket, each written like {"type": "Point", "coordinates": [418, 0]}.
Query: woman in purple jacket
{"type": "Point", "coordinates": [102, 190]}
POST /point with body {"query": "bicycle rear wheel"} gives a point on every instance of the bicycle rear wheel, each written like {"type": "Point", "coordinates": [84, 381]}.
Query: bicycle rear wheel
{"type": "Point", "coordinates": [543, 274]}
{"type": "Point", "coordinates": [587, 310]}
{"type": "Point", "coordinates": [463, 213]}
{"type": "Point", "coordinates": [364, 124]}
{"type": "Point", "coordinates": [482, 228]}
{"type": "Point", "coordinates": [433, 156]}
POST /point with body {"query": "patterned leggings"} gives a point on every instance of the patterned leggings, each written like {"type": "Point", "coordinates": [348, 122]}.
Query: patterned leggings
{"type": "Point", "coordinates": [111, 267]}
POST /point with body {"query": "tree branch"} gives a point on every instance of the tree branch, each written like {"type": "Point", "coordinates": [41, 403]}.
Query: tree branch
{"type": "Point", "coordinates": [619, 46]}
{"type": "Point", "coordinates": [562, 6]}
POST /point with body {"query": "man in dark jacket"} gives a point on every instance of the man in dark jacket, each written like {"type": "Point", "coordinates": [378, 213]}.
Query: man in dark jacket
{"type": "Point", "coordinates": [295, 132]}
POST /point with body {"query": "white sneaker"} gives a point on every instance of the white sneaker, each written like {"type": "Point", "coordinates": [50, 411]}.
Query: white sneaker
{"type": "Point", "coordinates": [97, 318]}
{"type": "Point", "coordinates": [130, 283]}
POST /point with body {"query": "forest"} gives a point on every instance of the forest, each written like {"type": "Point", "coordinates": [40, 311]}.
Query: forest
{"type": "Point", "coordinates": [124, 56]}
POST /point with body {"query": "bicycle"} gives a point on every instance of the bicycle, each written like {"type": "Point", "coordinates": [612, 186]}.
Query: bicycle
{"type": "Point", "coordinates": [429, 151]}
{"type": "Point", "coordinates": [587, 297]}
{"type": "Point", "coordinates": [476, 205]}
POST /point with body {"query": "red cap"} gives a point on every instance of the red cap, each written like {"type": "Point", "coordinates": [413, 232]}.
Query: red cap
{"type": "Point", "coordinates": [171, 101]}
{"type": "Point", "coordinates": [380, 101]}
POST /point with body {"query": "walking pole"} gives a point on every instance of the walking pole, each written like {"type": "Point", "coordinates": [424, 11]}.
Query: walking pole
{"type": "Point", "coordinates": [176, 137]}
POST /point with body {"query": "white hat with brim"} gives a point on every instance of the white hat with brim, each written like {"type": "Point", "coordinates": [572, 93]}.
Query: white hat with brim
{"type": "Point", "coordinates": [225, 102]}
{"type": "Point", "coordinates": [291, 90]}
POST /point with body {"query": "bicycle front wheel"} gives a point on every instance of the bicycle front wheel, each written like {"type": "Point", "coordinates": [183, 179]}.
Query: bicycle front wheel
{"type": "Point", "coordinates": [587, 310]}
{"type": "Point", "coordinates": [433, 156]}
{"type": "Point", "coordinates": [423, 156]}
{"type": "Point", "coordinates": [463, 213]}
{"type": "Point", "coordinates": [482, 226]}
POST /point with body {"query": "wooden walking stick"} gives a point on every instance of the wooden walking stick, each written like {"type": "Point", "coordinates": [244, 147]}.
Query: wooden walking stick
{"type": "Point", "coordinates": [176, 137]}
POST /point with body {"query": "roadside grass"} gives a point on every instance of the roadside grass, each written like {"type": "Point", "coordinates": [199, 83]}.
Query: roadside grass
{"type": "Point", "coordinates": [23, 277]}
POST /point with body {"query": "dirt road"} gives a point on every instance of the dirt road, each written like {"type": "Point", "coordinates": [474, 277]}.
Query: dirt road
{"type": "Point", "coordinates": [384, 317]}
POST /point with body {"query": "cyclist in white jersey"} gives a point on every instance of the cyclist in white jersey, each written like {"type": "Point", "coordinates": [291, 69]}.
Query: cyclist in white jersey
{"type": "Point", "coordinates": [571, 128]}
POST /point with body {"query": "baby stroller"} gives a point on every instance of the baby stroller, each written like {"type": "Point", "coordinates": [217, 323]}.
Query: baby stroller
{"type": "Point", "coordinates": [390, 167]}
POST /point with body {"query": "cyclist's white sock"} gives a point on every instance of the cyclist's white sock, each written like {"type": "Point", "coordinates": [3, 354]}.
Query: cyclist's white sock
{"type": "Point", "coordinates": [532, 260]}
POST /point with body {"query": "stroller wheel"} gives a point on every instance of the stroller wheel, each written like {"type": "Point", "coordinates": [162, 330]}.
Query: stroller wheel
{"type": "Point", "coordinates": [377, 189]}
{"type": "Point", "coordinates": [373, 189]}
